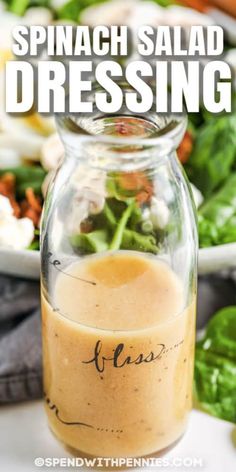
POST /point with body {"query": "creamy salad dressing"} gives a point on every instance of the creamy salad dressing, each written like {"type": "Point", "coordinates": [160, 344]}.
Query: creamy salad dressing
{"type": "Point", "coordinates": [118, 355]}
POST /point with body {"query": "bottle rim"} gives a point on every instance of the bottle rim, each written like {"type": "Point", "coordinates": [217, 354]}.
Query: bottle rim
{"type": "Point", "coordinates": [166, 130]}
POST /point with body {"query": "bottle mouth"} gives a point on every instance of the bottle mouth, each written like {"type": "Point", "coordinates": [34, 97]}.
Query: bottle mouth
{"type": "Point", "coordinates": [122, 131]}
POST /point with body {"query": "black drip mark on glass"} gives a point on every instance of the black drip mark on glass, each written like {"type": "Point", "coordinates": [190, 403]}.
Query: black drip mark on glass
{"type": "Point", "coordinates": [55, 409]}
{"type": "Point", "coordinates": [56, 263]}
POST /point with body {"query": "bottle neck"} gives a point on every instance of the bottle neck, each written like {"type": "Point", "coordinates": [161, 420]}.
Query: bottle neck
{"type": "Point", "coordinates": [117, 157]}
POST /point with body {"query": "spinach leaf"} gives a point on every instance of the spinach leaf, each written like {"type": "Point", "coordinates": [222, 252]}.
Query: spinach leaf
{"type": "Point", "coordinates": [105, 219]}
{"type": "Point", "coordinates": [207, 232]}
{"type": "Point", "coordinates": [215, 368]}
{"type": "Point", "coordinates": [19, 7]}
{"type": "Point", "coordinates": [164, 3]}
{"type": "Point", "coordinates": [220, 335]}
{"type": "Point", "coordinates": [71, 10]}
{"type": "Point", "coordinates": [119, 231]}
{"type": "Point", "coordinates": [228, 232]}
{"type": "Point", "coordinates": [116, 227]}
{"type": "Point", "coordinates": [87, 243]}
{"type": "Point", "coordinates": [25, 173]}
{"type": "Point", "coordinates": [26, 176]}
{"type": "Point", "coordinates": [138, 242]}
{"type": "Point", "coordinates": [215, 385]}
{"type": "Point", "coordinates": [217, 217]}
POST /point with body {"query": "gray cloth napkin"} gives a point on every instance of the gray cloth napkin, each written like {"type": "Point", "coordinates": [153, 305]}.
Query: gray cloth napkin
{"type": "Point", "coordinates": [20, 333]}
{"type": "Point", "coordinates": [20, 340]}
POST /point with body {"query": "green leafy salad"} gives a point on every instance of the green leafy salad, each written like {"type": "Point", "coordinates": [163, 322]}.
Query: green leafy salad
{"type": "Point", "coordinates": [208, 152]}
{"type": "Point", "coordinates": [121, 222]}
{"type": "Point", "coordinates": [69, 10]}
{"type": "Point", "coordinates": [212, 168]}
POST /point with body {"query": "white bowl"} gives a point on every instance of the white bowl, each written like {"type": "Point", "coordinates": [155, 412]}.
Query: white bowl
{"type": "Point", "coordinates": [26, 263]}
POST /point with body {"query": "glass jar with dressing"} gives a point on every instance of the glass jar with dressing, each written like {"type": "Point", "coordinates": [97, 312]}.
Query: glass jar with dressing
{"type": "Point", "coordinates": [119, 265]}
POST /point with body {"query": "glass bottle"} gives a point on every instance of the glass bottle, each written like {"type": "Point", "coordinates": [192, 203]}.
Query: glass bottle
{"type": "Point", "coordinates": [119, 266]}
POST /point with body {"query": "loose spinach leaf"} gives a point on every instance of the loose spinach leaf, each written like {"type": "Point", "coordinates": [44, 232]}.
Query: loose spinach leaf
{"type": "Point", "coordinates": [215, 368]}
{"type": "Point", "coordinates": [220, 335]}
{"type": "Point", "coordinates": [215, 380]}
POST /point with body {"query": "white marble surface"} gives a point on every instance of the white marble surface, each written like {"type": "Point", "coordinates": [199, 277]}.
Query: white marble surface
{"type": "Point", "coordinates": [24, 436]}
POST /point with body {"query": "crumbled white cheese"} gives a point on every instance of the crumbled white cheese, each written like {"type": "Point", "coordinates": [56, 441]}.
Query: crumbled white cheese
{"type": "Point", "coordinates": [90, 186]}
{"type": "Point", "coordinates": [57, 4]}
{"type": "Point", "coordinates": [9, 157]}
{"type": "Point", "coordinates": [14, 233]}
{"type": "Point", "coordinates": [38, 15]}
{"type": "Point", "coordinates": [5, 207]}
{"type": "Point", "coordinates": [146, 214]}
{"type": "Point", "coordinates": [159, 213]}
{"type": "Point", "coordinates": [108, 13]}
{"type": "Point", "coordinates": [96, 201]}
{"type": "Point", "coordinates": [186, 17]}
{"type": "Point", "coordinates": [197, 196]}
{"type": "Point", "coordinates": [79, 212]}
{"type": "Point", "coordinates": [87, 202]}
{"type": "Point", "coordinates": [89, 178]}
{"type": "Point", "coordinates": [27, 144]}
{"type": "Point", "coordinates": [135, 13]}
{"type": "Point", "coordinates": [52, 152]}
